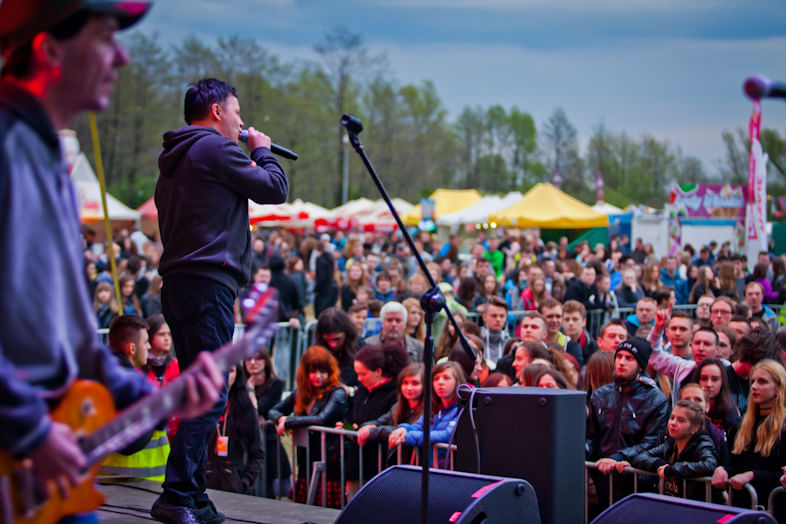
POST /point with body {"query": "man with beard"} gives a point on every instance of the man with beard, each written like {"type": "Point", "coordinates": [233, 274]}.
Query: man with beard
{"type": "Point", "coordinates": [625, 417]}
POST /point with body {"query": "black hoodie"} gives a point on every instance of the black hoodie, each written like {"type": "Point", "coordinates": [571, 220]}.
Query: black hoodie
{"type": "Point", "coordinates": [202, 199]}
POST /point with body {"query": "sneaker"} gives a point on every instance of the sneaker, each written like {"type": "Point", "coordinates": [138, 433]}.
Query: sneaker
{"type": "Point", "coordinates": [173, 514]}
{"type": "Point", "coordinates": [208, 514]}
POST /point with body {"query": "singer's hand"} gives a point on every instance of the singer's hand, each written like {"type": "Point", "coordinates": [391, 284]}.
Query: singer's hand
{"type": "Point", "coordinates": [257, 139]}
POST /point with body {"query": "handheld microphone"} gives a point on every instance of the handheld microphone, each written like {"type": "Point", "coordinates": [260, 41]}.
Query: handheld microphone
{"type": "Point", "coordinates": [275, 148]}
{"type": "Point", "coordinates": [759, 86]}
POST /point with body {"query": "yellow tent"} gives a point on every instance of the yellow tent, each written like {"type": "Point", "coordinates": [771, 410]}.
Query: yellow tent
{"type": "Point", "coordinates": [547, 207]}
{"type": "Point", "coordinates": [445, 201]}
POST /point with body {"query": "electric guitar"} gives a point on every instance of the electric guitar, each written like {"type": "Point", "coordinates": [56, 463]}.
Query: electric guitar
{"type": "Point", "coordinates": [88, 409]}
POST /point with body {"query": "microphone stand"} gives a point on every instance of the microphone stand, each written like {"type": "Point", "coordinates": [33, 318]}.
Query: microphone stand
{"type": "Point", "coordinates": [432, 302]}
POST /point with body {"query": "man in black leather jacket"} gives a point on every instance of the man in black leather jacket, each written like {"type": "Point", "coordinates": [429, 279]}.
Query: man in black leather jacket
{"type": "Point", "coordinates": [625, 416]}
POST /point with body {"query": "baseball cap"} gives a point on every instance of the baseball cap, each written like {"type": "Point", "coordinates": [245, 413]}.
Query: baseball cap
{"type": "Point", "coordinates": [21, 20]}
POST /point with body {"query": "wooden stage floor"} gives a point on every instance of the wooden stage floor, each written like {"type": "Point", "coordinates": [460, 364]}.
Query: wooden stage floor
{"type": "Point", "coordinates": [130, 502]}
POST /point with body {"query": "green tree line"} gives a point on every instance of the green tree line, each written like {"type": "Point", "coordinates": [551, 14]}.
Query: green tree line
{"type": "Point", "coordinates": [411, 141]}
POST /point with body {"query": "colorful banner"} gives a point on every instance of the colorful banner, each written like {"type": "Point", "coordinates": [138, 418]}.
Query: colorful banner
{"type": "Point", "coordinates": [428, 207]}
{"type": "Point", "coordinates": [708, 200]}
{"type": "Point", "coordinates": [756, 209]}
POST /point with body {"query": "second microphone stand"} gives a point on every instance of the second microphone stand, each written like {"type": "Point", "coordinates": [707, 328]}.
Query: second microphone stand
{"type": "Point", "coordinates": [432, 302]}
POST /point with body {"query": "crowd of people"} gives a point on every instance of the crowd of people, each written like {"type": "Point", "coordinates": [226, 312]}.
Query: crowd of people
{"type": "Point", "coordinates": [690, 384]}
{"type": "Point", "coordinates": [680, 394]}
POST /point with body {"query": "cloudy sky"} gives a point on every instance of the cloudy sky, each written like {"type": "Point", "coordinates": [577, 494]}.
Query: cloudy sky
{"type": "Point", "coordinates": [668, 68]}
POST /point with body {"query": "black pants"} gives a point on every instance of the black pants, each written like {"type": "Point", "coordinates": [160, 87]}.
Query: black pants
{"type": "Point", "coordinates": [200, 314]}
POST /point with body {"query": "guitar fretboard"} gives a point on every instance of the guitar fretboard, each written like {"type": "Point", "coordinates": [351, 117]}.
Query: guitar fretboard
{"type": "Point", "coordinates": [147, 413]}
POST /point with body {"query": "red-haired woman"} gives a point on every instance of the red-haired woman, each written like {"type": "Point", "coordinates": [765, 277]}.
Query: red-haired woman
{"type": "Point", "coordinates": [318, 400]}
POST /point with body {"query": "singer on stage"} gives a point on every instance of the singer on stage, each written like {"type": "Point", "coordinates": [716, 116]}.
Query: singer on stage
{"type": "Point", "coordinates": [202, 197]}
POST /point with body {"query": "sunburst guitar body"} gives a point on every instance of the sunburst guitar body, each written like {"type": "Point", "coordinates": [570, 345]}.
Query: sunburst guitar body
{"type": "Point", "coordinates": [86, 407]}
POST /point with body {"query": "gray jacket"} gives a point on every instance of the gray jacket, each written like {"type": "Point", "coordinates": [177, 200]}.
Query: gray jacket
{"type": "Point", "coordinates": [48, 329]}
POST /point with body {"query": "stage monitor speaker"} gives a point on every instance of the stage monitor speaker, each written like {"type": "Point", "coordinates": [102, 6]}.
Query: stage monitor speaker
{"type": "Point", "coordinates": [650, 508]}
{"type": "Point", "coordinates": [536, 434]}
{"type": "Point", "coordinates": [393, 497]}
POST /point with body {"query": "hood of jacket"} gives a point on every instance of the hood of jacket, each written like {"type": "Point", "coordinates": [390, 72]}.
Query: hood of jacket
{"type": "Point", "coordinates": [177, 143]}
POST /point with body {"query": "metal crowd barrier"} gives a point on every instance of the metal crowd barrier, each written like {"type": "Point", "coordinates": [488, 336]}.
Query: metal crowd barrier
{"type": "Point", "coordinates": [771, 499]}
{"type": "Point", "coordinates": [318, 470]}
{"type": "Point", "coordinates": [707, 481]}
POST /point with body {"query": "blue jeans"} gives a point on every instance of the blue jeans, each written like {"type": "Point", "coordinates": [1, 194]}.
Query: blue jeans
{"type": "Point", "coordinates": [200, 313]}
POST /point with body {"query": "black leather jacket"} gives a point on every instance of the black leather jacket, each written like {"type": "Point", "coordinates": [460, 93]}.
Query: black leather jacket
{"type": "Point", "coordinates": [698, 459]}
{"type": "Point", "coordinates": [326, 411]}
{"type": "Point", "coordinates": [624, 419]}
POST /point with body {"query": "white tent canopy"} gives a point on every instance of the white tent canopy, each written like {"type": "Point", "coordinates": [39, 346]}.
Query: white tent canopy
{"type": "Point", "coordinates": [296, 214]}
{"type": "Point", "coordinates": [351, 208]}
{"type": "Point", "coordinates": [379, 208]}
{"type": "Point", "coordinates": [479, 212]}
{"type": "Point", "coordinates": [607, 209]}
{"type": "Point", "coordinates": [378, 215]}
{"type": "Point", "coordinates": [88, 191]}
{"type": "Point", "coordinates": [369, 215]}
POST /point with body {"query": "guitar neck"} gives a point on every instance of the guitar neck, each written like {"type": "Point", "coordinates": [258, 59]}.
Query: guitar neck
{"type": "Point", "coordinates": [147, 413]}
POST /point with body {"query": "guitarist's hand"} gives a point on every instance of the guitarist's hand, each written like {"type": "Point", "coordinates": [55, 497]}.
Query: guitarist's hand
{"type": "Point", "coordinates": [59, 459]}
{"type": "Point", "coordinates": [203, 386]}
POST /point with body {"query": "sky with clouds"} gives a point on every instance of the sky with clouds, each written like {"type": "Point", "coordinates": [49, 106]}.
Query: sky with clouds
{"type": "Point", "coordinates": [672, 69]}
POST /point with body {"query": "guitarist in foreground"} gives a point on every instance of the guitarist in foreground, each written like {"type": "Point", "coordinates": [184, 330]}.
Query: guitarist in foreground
{"type": "Point", "coordinates": [59, 58]}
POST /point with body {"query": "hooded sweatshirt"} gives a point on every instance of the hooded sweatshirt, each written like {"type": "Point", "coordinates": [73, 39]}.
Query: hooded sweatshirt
{"type": "Point", "coordinates": [202, 199]}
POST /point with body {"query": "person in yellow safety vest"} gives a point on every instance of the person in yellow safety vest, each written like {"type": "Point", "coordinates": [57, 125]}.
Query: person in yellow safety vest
{"type": "Point", "coordinates": [148, 463]}
{"type": "Point", "coordinates": [129, 341]}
